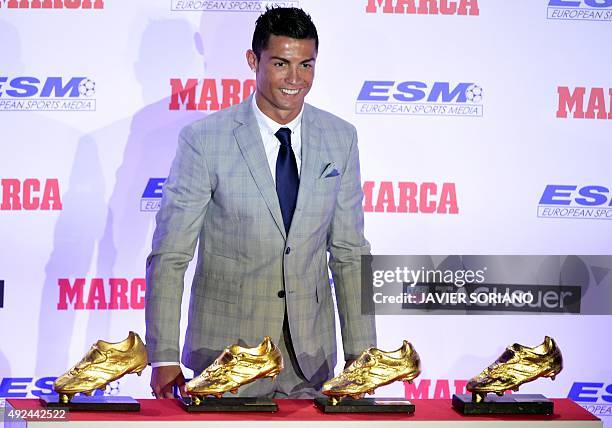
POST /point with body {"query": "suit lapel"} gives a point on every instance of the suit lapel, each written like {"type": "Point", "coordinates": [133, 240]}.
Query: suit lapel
{"type": "Point", "coordinates": [248, 137]}
{"type": "Point", "coordinates": [311, 140]}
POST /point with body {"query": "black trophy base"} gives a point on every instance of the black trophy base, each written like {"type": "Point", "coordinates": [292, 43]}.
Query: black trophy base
{"type": "Point", "coordinates": [230, 404]}
{"type": "Point", "coordinates": [102, 403]}
{"type": "Point", "coordinates": [365, 405]}
{"type": "Point", "coordinates": [515, 404]}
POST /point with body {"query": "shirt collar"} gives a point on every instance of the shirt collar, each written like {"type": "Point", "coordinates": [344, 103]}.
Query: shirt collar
{"type": "Point", "coordinates": [272, 126]}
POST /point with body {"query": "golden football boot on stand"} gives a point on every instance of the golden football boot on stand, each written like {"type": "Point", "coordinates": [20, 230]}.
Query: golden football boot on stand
{"type": "Point", "coordinates": [374, 368]}
{"type": "Point", "coordinates": [236, 366]}
{"type": "Point", "coordinates": [516, 366]}
{"type": "Point", "coordinates": [103, 363]}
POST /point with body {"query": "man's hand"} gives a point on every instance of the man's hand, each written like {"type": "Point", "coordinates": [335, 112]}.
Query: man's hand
{"type": "Point", "coordinates": [163, 378]}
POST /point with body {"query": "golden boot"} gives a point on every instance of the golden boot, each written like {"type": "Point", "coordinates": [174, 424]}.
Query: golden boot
{"type": "Point", "coordinates": [374, 368]}
{"type": "Point", "coordinates": [516, 366]}
{"type": "Point", "coordinates": [236, 366]}
{"type": "Point", "coordinates": [103, 363]}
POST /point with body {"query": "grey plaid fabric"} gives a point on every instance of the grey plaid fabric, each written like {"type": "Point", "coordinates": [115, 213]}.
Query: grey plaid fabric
{"type": "Point", "coordinates": [220, 195]}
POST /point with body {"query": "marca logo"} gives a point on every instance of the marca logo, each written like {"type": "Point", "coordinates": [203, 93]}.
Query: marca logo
{"type": "Point", "coordinates": [596, 397]}
{"type": "Point", "coordinates": [424, 7]}
{"type": "Point", "coordinates": [571, 201]}
{"type": "Point", "coordinates": [206, 97]}
{"type": "Point", "coordinates": [151, 197]}
{"type": "Point", "coordinates": [410, 197]}
{"type": "Point", "coordinates": [580, 10]}
{"type": "Point", "coordinates": [230, 6]}
{"type": "Point", "coordinates": [422, 389]}
{"type": "Point", "coordinates": [98, 294]}
{"type": "Point", "coordinates": [573, 103]}
{"type": "Point", "coordinates": [419, 98]}
{"type": "Point", "coordinates": [30, 195]}
{"type": "Point", "coordinates": [28, 93]}
{"type": "Point", "coordinates": [52, 4]}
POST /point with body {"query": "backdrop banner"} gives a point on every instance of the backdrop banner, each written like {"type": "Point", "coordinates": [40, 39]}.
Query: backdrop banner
{"type": "Point", "coordinates": [484, 129]}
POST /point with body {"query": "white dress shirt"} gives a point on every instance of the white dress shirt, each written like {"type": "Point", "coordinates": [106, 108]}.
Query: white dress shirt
{"type": "Point", "coordinates": [267, 128]}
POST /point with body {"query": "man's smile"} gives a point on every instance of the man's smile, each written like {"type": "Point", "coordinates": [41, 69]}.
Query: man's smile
{"type": "Point", "coordinates": [290, 91]}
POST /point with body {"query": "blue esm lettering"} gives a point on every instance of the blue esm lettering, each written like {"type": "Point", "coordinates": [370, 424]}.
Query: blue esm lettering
{"type": "Point", "coordinates": [586, 392]}
{"type": "Point", "coordinates": [154, 188]}
{"type": "Point", "coordinates": [591, 196]}
{"type": "Point", "coordinates": [13, 387]}
{"type": "Point", "coordinates": [16, 387]}
{"type": "Point", "coordinates": [577, 3]}
{"type": "Point", "coordinates": [411, 91]}
{"type": "Point", "coordinates": [27, 86]}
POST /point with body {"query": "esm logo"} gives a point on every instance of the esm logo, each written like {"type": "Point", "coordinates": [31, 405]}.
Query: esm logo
{"type": "Point", "coordinates": [151, 197]}
{"type": "Point", "coordinates": [21, 387]}
{"type": "Point", "coordinates": [230, 5]}
{"type": "Point", "coordinates": [424, 7]}
{"type": "Point", "coordinates": [584, 103]}
{"type": "Point", "coordinates": [580, 10]}
{"type": "Point", "coordinates": [572, 201]}
{"type": "Point", "coordinates": [52, 4]}
{"type": "Point", "coordinates": [419, 98]}
{"type": "Point", "coordinates": [29, 93]}
{"type": "Point", "coordinates": [596, 397]}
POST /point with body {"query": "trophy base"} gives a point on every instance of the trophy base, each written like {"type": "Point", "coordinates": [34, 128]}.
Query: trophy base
{"type": "Point", "coordinates": [103, 403]}
{"type": "Point", "coordinates": [517, 404]}
{"type": "Point", "coordinates": [365, 405]}
{"type": "Point", "coordinates": [230, 404]}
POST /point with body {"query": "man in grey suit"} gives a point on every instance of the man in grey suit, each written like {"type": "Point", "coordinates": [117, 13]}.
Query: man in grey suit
{"type": "Point", "coordinates": [266, 189]}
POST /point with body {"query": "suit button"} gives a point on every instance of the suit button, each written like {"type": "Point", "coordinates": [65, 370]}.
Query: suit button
{"type": "Point", "coordinates": [288, 250]}
{"type": "Point", "coordinates": [281, 294]}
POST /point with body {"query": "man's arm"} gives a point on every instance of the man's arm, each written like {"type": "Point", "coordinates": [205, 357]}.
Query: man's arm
{"type": "Point", "coordinates": [346, 244]}
{"type": "Point", "coordinates": [179, 221]}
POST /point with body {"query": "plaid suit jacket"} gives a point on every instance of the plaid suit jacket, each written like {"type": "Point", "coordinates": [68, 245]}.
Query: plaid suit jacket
{"type": "Point", "coordinates": [220, 196]}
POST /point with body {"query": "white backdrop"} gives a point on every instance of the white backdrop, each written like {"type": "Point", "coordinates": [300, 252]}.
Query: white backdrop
{"type": "Point", "coordinates": [97, 121]}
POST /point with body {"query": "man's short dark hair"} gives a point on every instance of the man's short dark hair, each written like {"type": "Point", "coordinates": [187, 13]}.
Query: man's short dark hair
{"type": "Point", "coordinates": [283, 21]}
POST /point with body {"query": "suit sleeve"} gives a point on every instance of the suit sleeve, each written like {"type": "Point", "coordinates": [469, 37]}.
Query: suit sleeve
{"type": "Point", "coordinates": [347, 245]}
{"type": "Point", "coordinates": [186, 194]}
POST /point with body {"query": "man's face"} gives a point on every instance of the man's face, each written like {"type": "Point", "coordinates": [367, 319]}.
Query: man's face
{"type": "Point", "coordinates": [284, 74]}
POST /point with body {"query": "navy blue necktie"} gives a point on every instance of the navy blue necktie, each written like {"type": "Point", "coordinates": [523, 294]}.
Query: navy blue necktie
{"type": "Point", "coordinates": [287, 180]}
